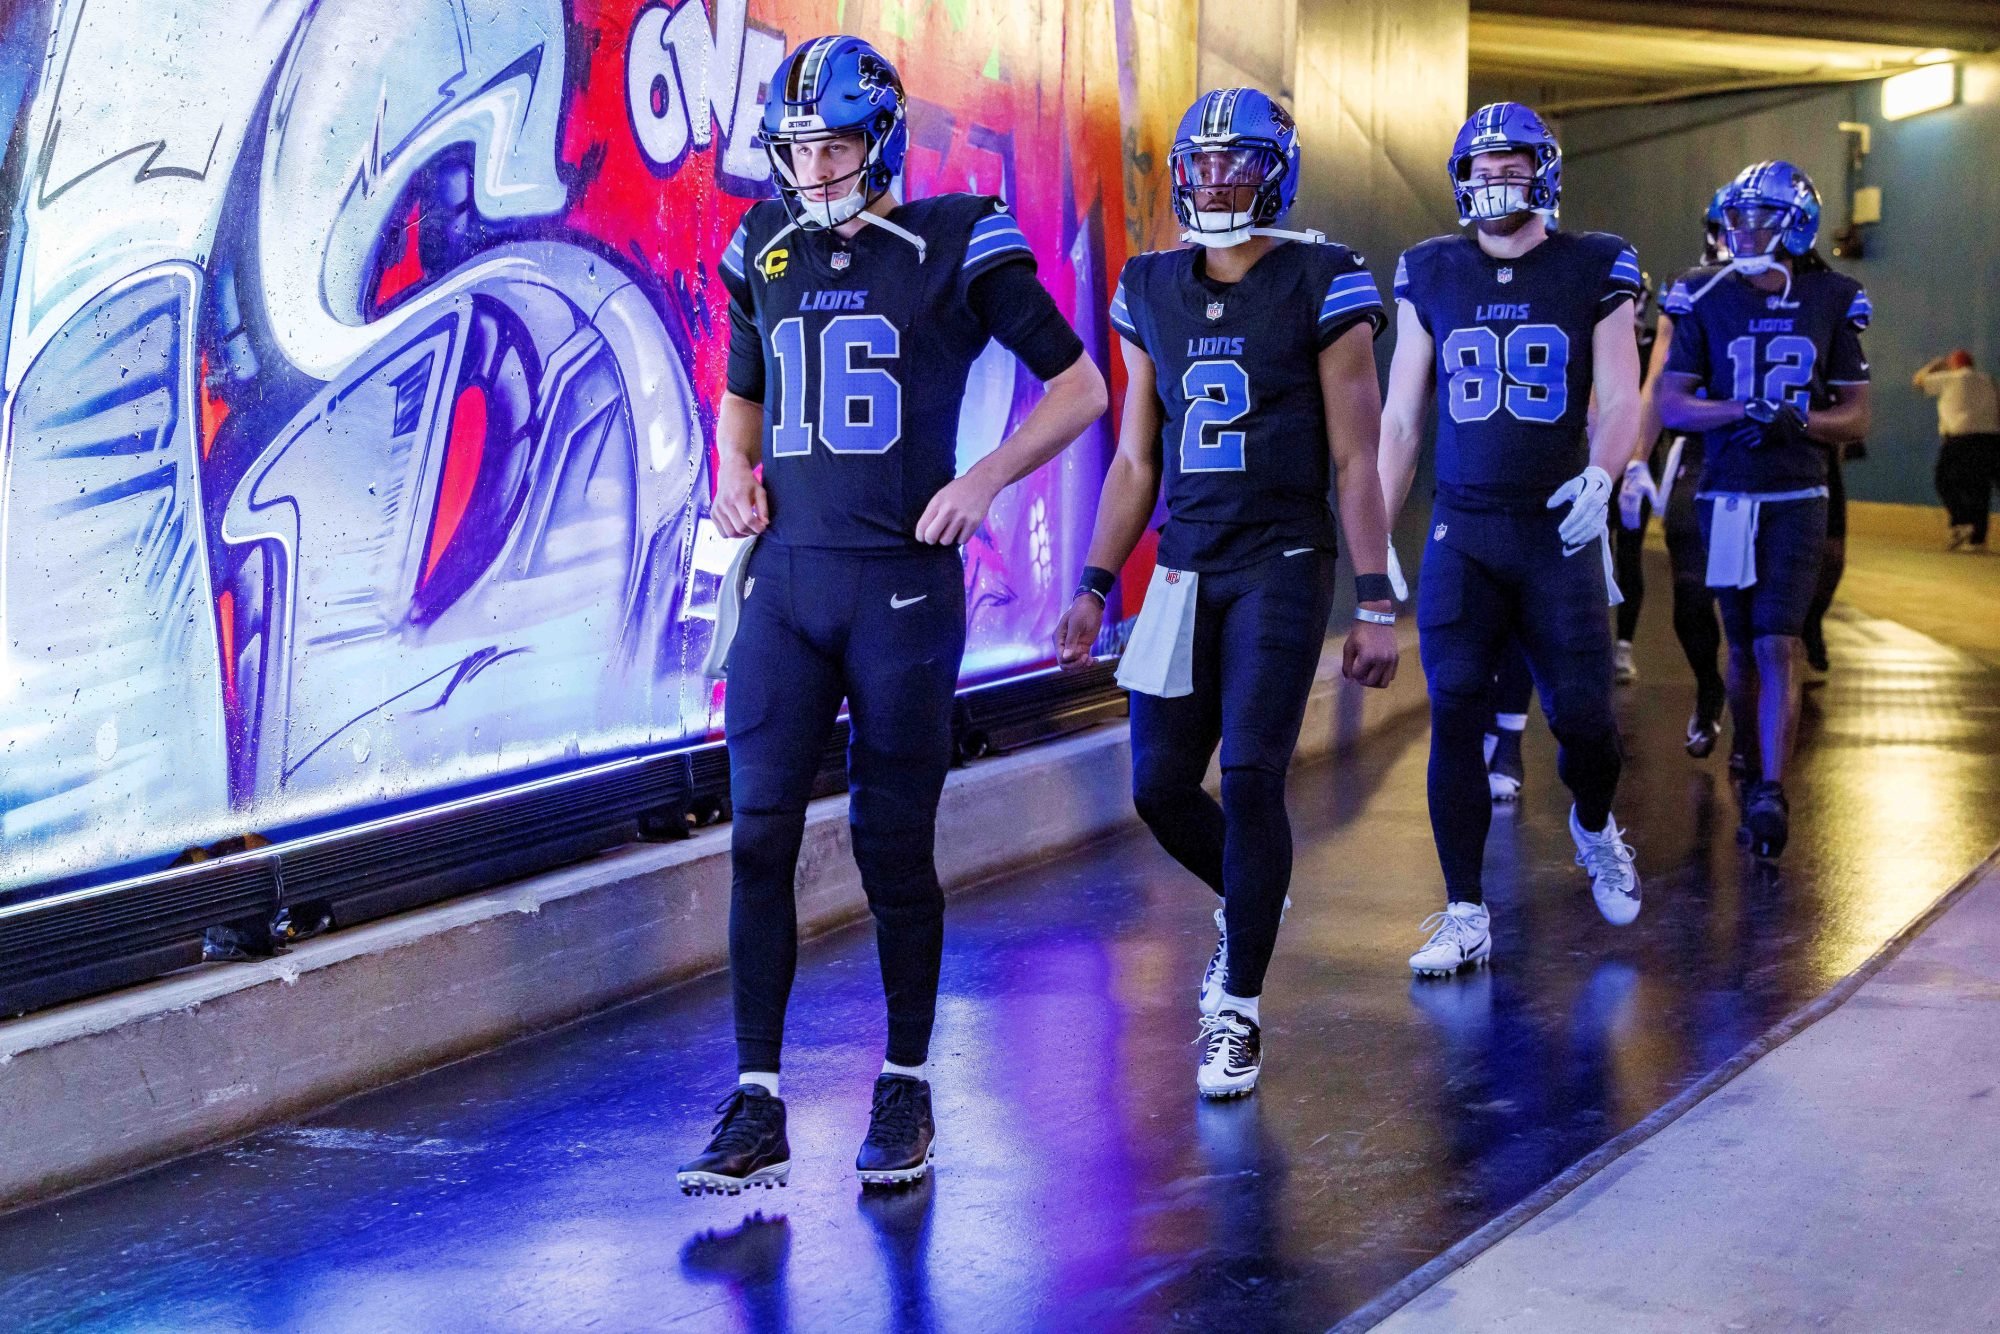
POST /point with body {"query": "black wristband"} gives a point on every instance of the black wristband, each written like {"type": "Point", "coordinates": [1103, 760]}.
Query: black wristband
{"type": "Point", "coordinates": [1373, 588]}
{"type": "Point", "coordinates": [1096, 580]}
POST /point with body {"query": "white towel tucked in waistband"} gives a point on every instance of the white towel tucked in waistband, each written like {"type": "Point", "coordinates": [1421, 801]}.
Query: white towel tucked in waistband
{"type": "Point", "coordinates": [1159, 658]}
{"type": "Point", "coordinates": [1732, 532]}
{"type": "Point", "coordinates": [728, 610]}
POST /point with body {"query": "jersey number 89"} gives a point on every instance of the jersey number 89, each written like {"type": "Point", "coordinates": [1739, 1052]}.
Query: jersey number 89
{"type": "Point", "coordinates": [1528, 373]}
{"type": "Point", "coordinates": [860, 406]}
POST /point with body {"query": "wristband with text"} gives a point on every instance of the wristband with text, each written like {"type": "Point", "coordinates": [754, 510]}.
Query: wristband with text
{"type": "Point", "coordinates": [1374, 617]}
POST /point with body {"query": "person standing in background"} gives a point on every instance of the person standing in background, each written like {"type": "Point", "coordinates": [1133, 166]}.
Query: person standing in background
{"type": "Point", "coordinates": [1968, 466]}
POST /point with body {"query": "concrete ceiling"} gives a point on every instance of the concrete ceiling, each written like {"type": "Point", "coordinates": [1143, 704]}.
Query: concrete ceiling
{"type": "Point", "coordinates": [1570, 55]}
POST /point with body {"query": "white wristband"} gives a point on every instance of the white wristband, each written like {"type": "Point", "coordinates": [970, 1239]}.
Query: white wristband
{"type": "Point", "coordinates": [1374, 617]}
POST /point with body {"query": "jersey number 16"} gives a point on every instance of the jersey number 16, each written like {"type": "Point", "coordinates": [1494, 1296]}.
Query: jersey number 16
{"type": "Point", "coordinates": [860, 406]}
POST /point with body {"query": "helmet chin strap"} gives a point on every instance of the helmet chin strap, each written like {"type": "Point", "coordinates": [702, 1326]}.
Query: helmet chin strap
{"type": "Point", "coordinates": [1750, 266]}
{"type": "Point", "coordinates": [1236, 236]}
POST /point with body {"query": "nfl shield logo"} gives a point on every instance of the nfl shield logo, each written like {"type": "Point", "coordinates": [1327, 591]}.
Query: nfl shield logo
{"type": "Point", "coordinates": [1437, 533]}
{"type": "Point", "coordinates": [1173, 576]}
{"type": "Point", "coordinates": [1215, 310]}
{"type": "Point", "coordinates": [1505, 275]}
{"type": "Point", "coordinates": [841, 259]}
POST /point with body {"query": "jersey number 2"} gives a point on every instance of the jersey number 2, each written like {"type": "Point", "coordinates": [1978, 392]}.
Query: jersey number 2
{"type": "Point", "coordinates": [1529, 373]}
{"type": "Point", "coordinates": [860, 405]}
{"type": "Point", "coordinates": [1217, 394]}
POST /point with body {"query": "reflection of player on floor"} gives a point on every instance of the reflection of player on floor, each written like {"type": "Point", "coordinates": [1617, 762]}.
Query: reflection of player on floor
{"type": "Point", "coordinates": [1517, 325]}
{"type": "Point", "coordinates": [1773, 339]}
{"type": "Point", "coordinates": [860, 316]}
{"type": "Point", "coordinates": [1250, 360]}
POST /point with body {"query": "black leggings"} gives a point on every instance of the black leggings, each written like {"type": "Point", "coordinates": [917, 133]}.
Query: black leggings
{"type": "Point", "coordinates": [1695, 624]}
{"type": "Point", "coordinates": [1628, 548]}
{"type": "Point", "coordinates": [1258, 633]}
{"type": "Point", "coordinates": [1490, 580]}
{"type": "Point", "coordinates": [886, 631]}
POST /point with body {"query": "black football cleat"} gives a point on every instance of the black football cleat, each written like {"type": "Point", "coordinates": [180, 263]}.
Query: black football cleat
{"type": "Point", "coordinates": [1702, 734]}
{"type": "Point", "coordinates": [897, 1151]}
{"type": "Point", "coordinates": [1769, 816]}
{"type": "Point", "coordinates": [749, 1148]}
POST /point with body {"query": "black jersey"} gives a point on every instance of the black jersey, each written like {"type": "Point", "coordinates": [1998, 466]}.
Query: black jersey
{"type": "Point", "coordinates": [1243, 440]}
{"type": "Point", "coordinates": [1743, 342]}
{"type": "Point", "coordinates": [869, 344]}
{"type": "Point", "coordinates": [1514, 357]}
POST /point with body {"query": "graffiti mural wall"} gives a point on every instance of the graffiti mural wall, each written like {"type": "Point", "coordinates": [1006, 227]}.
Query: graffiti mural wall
{"type": "Point", "coordinates": [357, 371]}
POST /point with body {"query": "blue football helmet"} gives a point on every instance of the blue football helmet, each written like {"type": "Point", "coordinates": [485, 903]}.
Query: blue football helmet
{"type": "Point", "coordinates": [1499, 127]}
{"type": "Point", "coordinates": [1714, 232]}
{"type": "Point", "coordinates": [1233, 137]}
{"type": "Point", "coordinates": [1775, 197]}
{"type": "Point", "coordinates": [831, 86]}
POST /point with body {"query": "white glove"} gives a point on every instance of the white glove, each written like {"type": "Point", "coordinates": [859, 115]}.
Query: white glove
{"type": "Point", "coordinates": [1635, 490]}
{"type": "Point", "coordinates": [1397, 584]}
{"type": "Point", "coordinates": [1588, 495]}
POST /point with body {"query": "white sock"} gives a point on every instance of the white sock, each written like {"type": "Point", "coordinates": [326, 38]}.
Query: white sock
{"type": "Point", "coordinates": [1243, 1005]}
{"type": "Point", "coordinates": [913, 1071]}
{"type": "Point", "coordinates": [768, 1081]}
{"type": "Point", "coordinates": [1511, 722]}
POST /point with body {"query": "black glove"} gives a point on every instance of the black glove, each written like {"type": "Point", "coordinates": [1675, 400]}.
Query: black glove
{"type": "Point", "coordinates": [1775, 421]}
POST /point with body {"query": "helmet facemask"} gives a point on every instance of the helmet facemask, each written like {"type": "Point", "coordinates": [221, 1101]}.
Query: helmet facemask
{"type": "Point", "coordinates": [1224, 192]}
{"type": "Point", "coordinates": [1501, 197]}
{"type": "Point", "coordinates": [822, 205]}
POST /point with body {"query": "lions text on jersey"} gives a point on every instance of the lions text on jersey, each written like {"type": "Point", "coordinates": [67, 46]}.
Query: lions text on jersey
{"type": "Point", "coordinates": [1245, 466]}
{"type": "Point", "coordinates": [1744, 343]}
{"type": "Point", "coordinates": [859, 348]}
{"type": "Point", "coordinates": [1514, 359]}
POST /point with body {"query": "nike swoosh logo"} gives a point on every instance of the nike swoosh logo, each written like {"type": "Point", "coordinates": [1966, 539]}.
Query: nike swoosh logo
{"type": "Point", "coordinates": [900, 603]}
{"type": "Point", "coordinates": [1298, 551]}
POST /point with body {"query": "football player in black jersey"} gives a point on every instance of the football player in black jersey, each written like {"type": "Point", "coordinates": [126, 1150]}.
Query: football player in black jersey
{"type": "Point", "coordinates": [1251, 383]}
{"type": "Point", "coordinates": [1767, 363]}
{"type": "Point", "coordinates": [1673, 496]}
{"type": "Point", "coordinates": [1517, 326]}
{"type": "Point", "coordinates": [853, 321]}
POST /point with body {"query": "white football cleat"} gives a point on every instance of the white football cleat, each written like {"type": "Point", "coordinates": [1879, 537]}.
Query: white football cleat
{"type": "Point", "coordinates": [1460, 935]}
{"type": "Point", "coordinates": [1614, 880]}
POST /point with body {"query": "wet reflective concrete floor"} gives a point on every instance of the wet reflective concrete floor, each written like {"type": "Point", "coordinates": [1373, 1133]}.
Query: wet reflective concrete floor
{"type": "Point", "coordinates": [1081, 1185]}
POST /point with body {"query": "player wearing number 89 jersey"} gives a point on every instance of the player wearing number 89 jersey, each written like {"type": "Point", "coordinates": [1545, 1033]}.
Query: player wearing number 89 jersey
{"type": "Point", "coordinates": [1517, 326]}
{"type": "Point", "coordinates": [1251, 372]}
{"type": "Point", "coordinates": [854, 318]}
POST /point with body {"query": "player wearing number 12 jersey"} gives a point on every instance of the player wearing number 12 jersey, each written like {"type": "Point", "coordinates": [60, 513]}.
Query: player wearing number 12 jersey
{"type": "Point", "coordinates": [1516, 325]}
{"type": "Point", "coordinates": [1251, 365]}
{"type": "Point", "coordinates": [1772, 344]}
{"type": "Point", "coordinates": [854, 319]}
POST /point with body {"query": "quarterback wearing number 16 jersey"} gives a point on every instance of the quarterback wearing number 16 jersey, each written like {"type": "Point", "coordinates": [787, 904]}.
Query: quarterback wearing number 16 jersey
{"type": "Point", "coordinates": [854, 318]}
{"type": "Point", "coordinates": [1517, 326]}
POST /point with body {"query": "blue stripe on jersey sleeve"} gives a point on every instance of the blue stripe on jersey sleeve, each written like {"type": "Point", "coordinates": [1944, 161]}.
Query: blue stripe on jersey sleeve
{"type": "Point", "coordinates": [992, 236]}
{"type": "Point", "coordinates": [1860, 310]}
{"type": "Point", "coordinates": [1349, 294]}
{"type": "Point", "coordinates": [1121, 314]}
{"type": "Point", "coordinates": [1677, 301]}
{"type": "Point", "coordinates": [1401, 286]}
{"type": "Point", "coordinates": [1626, 266]}
{"type": "Point", "coordinates": [732, 258]}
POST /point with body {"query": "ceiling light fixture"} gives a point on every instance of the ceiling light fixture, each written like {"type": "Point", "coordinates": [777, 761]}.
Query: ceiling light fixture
{"type": "Point", "coordinates": [1926, 88]}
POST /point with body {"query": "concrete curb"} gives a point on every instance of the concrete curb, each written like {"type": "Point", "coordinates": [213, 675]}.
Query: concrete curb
{"type": "Point", "coordinates": [119, 1083]}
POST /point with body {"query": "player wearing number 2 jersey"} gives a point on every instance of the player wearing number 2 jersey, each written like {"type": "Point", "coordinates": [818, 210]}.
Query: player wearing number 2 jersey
{"type": "Point", "coordinates": [1772, 341]}
{"type": "Point", "coordinates": [854, 319]}
{"type": "Point", "coordinates": [1516, 325]}
{"type": "Point", "coordinates": [1252, 377]}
